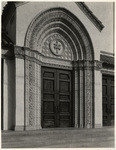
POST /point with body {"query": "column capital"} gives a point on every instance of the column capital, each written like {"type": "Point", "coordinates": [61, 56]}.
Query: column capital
{"type": "Point", "coordinates": [88, 64]}
{"type": "Point", "coordinates": [19, 52]}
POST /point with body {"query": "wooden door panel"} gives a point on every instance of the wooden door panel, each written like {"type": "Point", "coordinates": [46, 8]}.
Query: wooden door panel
{"type": "Point", "coordinates": [65, 99]}
{"type": "Point", "coordinates": [56, 98]}
{"type": "Point", "coordinates": [49, 122]}
{"type": "Point", "coordinates": [64, 107]}
{"type": "Point", "coordinates": [64, 75]}
{"type": "Point", "coordinates": [108, 100]}
{"type": "Point", "coordinates": [48, 107]}
{"type": "Point", "coordinates": [65, 123]}
{"type": "Point", "coordinates": [48, 74]}
{"type": "Point", "coordinates": [105, 90]}
{"type": "Point", "coordinates": [64, 86]}
{"type": "Point", "coordinates": [48, 98]}
{"type": "Point", "coordinates": [48, 85]}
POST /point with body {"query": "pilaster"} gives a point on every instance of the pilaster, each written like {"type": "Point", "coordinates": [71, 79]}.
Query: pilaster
{"type": "Point", "coordinates": [76, 96]}
{"type": "Point", "coordinates": [98, 93]}
{"type": "Point", "coordinates": [19, 97]}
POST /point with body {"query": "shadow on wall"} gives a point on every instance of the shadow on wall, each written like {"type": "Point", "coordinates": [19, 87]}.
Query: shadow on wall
{"type": "Point", "coordinates": [11, 94]}
{"type": "Point", "coordinates": [8, 96]}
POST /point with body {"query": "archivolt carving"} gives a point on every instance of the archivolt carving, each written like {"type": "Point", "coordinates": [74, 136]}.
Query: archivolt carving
{"type": "Point", "coordinates": [61, 15]}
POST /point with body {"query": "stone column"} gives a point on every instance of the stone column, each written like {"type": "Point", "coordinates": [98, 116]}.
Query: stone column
{"type": "Point", "coordinates": [88, 98]}
{"type": "Point", "coordinates": [19, 89]}
{"type": "Point", "coordinates": [88, 93]}
{"type": "Point", "coordinates": [32, 91]}
{"type": "Point", "coordinates": [76, 93]}
{"type": "Point", "coordinates": [30, 94]}
{"type": "Point", "coordinates": [26, 101]}
{"type": "Point", "coordinates": [98, 94]}
{"type": "Point", "coordinates": [81, 100]}
{"type": "Point", "coordinates": [38, 96]}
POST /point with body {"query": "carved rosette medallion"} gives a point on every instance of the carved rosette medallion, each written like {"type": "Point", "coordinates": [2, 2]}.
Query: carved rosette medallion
{"type": "Point", "coordinates": [57, 47]}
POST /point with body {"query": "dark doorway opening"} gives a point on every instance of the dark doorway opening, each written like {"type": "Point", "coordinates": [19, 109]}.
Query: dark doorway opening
{"type": "Point", "coordinates": [108, 100]}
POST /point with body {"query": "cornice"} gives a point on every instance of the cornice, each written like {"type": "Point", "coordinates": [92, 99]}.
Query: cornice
{"type": "Point", "coordinates": [35, 56]}
{"type": "Point", "coordinates": [107, 59]}
{"type": "Point", "coordinates": [32, 55]}
{"type": "Point", "coordinates": [11, 6]}
{"type": "Point", "coordinates": [107, 72]}
{"type": "Point", "coordinates": [97, 23]}
{"type": "Point", "coordinates": [106, 53]}
{"type": "Point", "coordinates": [88, 64]}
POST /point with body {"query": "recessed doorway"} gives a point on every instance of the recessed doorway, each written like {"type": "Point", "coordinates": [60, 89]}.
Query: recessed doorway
{"type": "Point", "coordinates": [57, 101]}
{"type": "Point", "coordinates": [108, 100]}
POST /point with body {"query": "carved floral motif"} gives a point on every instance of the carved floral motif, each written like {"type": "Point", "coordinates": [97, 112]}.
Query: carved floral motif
{"type": "Point", "coordinates": [56, 46]}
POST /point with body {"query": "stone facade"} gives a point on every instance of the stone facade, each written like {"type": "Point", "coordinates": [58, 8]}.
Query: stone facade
{"type": "Point", "coordinates": [55, 38]}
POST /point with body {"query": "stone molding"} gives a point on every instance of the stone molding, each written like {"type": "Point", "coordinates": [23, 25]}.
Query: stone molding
{"type": "Point", "coordinates": [88, 64]}
{"type": "Point", "coordinates": [32, 55]}
{"type": "Point", "coordinates": [108, 72]}
{"type": "Point", "coordinates": [35, 56]}
{"type": "Point", "coordinates": [98, 24]}
{"type": "Point", "coordinates": [61, 20]}
{"type": "Point", "coordinates": [19, 128]}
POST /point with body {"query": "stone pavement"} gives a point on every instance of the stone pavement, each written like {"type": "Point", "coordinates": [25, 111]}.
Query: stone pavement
{"type": "Point", "coordinates": [59, 138]}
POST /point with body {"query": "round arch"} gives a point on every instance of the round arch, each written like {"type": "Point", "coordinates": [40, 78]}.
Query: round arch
{"type": "Point", "coordinates": [59, 24]}
{"type": "Point", "coordinates": [60, 20]}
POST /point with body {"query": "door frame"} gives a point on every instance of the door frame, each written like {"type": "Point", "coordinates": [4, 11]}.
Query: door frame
{"type": "Point", "coordinates": [72, 94]}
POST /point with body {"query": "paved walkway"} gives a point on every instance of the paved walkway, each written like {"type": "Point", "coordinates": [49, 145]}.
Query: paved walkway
{"type": "Point", "coordinates": [59, 138]}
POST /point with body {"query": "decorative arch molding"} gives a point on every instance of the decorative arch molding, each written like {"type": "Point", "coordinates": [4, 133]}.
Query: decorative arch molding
{"type": "Point", "coordinates": [63, 26]}
{"type": "Point", "coordinates": [65, 21]}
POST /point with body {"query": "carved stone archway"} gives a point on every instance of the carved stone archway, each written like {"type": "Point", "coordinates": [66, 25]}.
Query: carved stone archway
{"type": "Point", "coordinates": [59, 25]}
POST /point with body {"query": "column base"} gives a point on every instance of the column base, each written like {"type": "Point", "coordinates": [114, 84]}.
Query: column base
{"type": "Point", "coordinates": [19, 128]}
{"type": "Point", "coordinates": [76, 126]}
{"type": "Point", "coordinates": [27, 128]}
{"type": "Point", "coordinates": [98, 126]}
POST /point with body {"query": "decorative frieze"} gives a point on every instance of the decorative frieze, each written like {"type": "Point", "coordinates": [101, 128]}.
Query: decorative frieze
{"type": "Point", "coordinates": [88, 98]}
{"type": "Point", "coordinates": [19, 52]}
{"type": "Point", "coordinates": [97, 65]}
{"type": "Point", "coordinates": [88, 64]}
{"type": "Point", "coordinates": [32, 95]}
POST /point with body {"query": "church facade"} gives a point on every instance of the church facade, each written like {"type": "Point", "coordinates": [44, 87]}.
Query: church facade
{"type": "Point", "coordinates": [56, 71]}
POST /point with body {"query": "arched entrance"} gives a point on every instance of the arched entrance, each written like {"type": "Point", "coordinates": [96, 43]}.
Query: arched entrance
{"type": "Point", "coordinates": [57, 39]}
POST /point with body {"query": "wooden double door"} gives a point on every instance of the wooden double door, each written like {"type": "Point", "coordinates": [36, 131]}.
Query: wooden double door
{"type": "Point", "coordinates": [57, 100]}
{"type": "Point", "coordinates": [108, 100]}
